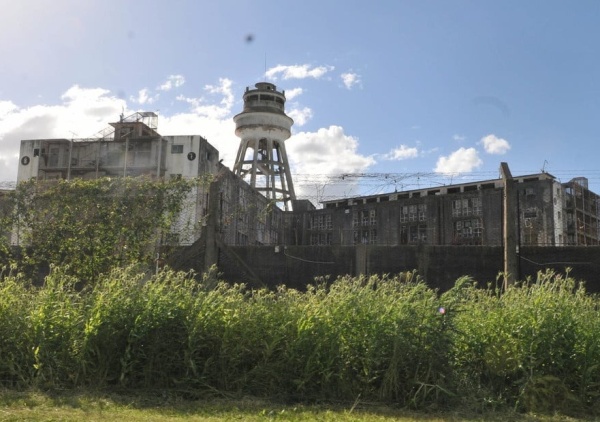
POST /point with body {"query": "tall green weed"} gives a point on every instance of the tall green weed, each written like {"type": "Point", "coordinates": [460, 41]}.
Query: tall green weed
{"type": "Point", "coordinates": [534, 347]}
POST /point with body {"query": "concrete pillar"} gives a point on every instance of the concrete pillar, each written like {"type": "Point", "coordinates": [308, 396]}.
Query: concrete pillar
{"type": "Point", "coordinates": [361, 259]}
{"type": "Point", "coordinates": [510, 218]}
{"type": "Point", "coordinates": [211, 252]}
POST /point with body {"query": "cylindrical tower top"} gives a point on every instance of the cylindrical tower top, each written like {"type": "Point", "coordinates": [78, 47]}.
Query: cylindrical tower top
{"type": "Point", "coordinates": [264, 98]}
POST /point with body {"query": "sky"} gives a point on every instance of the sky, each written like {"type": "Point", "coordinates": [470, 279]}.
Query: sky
{"type": "Point", "coordinates": [385, 95]}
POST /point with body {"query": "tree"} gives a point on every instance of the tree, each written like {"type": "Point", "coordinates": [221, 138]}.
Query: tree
{"type": "Point", "coordinates": [92, 226]}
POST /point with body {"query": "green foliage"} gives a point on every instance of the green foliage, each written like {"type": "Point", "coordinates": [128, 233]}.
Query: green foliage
{"type": "Point", "coordinates": [15, 358]}
{"type": "Point", "coordinates": [534, 347]}
{"type": "Point", "coordinates": [91, 226]}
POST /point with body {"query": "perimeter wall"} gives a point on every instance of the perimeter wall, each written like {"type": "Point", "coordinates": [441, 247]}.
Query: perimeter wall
{"type": "Point", "coordinates": [439, 266]}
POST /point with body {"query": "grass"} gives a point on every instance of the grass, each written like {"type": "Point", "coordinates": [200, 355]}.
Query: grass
{"type": "Point", "coordinates": [160, 406]}
{"type": "Point", "coordinates": [390, 340]}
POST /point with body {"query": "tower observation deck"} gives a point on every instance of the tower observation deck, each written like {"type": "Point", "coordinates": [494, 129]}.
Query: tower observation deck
{"type": "Point", "coordinates": [263, 128]}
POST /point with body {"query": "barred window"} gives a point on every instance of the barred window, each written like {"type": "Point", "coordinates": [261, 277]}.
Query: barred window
{"type": "Point", "coordinates": [404, 214]}
{"type": "Point", "coordinates": [466, 207]}
{"type": "Point", "coordinates": [476, 206]}
{"type": "Point", "coordinates": [412, 213]}
{"type": "Point", "coordinates": [422, 212]}
{"type": "Point", "coordinates": [468, 228]}
{"type": "Point", "coordinates": [373, 217]}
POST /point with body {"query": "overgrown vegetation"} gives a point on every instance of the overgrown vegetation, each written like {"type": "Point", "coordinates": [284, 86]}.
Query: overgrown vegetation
{"type": "Point", "coordinates": [100, 321]}
{"type": "Point", "coordinates": [535, 347]}
{"type": "Point", "coordinates": [90, 226]}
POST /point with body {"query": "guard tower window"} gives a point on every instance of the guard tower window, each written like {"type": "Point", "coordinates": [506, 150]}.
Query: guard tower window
{"type": "Point", "coordinates": [176, 149]}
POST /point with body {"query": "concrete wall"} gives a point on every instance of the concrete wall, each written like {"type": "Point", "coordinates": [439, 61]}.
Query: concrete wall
{"type": "Point", "coordinates": [439, 266]}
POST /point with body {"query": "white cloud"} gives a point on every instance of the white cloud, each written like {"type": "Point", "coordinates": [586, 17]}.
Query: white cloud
{"type": "Point", "coordinates": [459, 138]}
{"type": "Point", "coordinates": [494, 145]}
{"type": "Point", "coordinates": [6, 107]}
{"type": "Point", "coordinates": [300, 116]}
{"type": "Point", "coordinates": [143, 97]}
{"type": "Point", "coordinates": [202, 107]}
{"type": "Point", "coordinates": [173, 81]}
{"type": "Point", "coordinates": [219, 131]}
{"type": "Point", "coordinates": [463, 160]}
{"type": "Point", "coordinates": [297, 71]}
{"type": "Point", "coordinates": [224, 88]}
{"type": "Point", "coordinates": [402, 153]}
{"type": "Point", "coordinates": [350, 79]}
{"type": "Point", "coordinates": [82, 112]}
{"type": "Point", "coordinates": [210, 117]}
{"type": "Point", "coordinates": [292, 93]}
{"type": "Point", "coordinates": [319, 156]}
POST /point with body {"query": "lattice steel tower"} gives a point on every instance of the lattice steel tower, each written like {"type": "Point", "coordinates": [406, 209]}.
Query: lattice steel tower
{"type": "Point", "coordinates": [263, 127]}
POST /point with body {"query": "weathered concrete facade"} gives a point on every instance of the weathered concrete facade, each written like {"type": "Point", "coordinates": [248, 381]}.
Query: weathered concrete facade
{"type": "Point", "coordinates": [462, 214]}
{"type": "Point", "coordinates": [236, 213]}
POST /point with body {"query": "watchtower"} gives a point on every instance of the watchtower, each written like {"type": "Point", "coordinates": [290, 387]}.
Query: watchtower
{"type": "Point", "coordinates": [263, 127]}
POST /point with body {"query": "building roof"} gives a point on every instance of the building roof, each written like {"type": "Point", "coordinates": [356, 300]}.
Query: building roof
{"type": "Point", "coordinates": [440, 190]}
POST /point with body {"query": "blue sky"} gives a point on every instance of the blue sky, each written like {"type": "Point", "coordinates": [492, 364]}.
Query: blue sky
{"type": "Point", "coordinates": [429, 92]}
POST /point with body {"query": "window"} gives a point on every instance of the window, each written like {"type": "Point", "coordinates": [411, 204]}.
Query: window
{"type": "Point", "coordinates": [530, 212]}
{"type": "Point", "coordinates": [403, 214]}
{"type": "Point", "coordinates": [373, 236]}
{"type": "Point", "coordinates": [422, 212]}
{"type": "Point", "coordinates": [365, 236]}
{"type": "Point", "coordinates": [456, 208]}
{"type": "Point", "coordinates": [320, 239]}
{"type": "Point", "coordinates": [176, 149]}
{"type": "Point", "coordinates": [412, 213]}
{"type": "Point", "coordinates": [468, 231]}
{"type": "Point", "coordinates": [322, 222]}
{"type": "Point", "coordinates": [328, 223]}
{"type": "Point", "coordinates": [53, 157]}
{"type": "Point", "coordinates": [476, 203]}
{"type": "Point", "coordinates": [466, 207]}
{"type": "Point", "coordinates": [373, 217]}
{"type": "Point", "coordinates": [364, 218]}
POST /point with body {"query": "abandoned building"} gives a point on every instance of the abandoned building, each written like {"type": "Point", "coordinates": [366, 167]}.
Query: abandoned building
{"type": "Point", "coordinates": [550, 214]}
{"type": "Point", "coordinates": [255, 204]}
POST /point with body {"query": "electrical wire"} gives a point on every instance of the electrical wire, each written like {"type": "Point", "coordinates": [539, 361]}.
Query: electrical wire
{"type": "Point", "coordinates": [307, 260]}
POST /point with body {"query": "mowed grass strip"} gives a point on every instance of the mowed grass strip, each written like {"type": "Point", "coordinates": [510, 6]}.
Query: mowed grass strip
{"type": "Point", "coordinates": [161, 406]}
